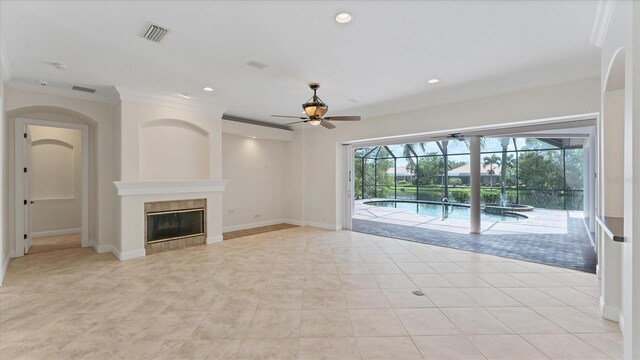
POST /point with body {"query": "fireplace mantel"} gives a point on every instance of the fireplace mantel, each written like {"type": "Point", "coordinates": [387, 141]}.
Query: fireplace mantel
{"type": "Point", "coordinates": [133, 188]}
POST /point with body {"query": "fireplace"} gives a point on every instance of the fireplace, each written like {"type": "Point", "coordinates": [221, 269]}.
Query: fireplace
{"type": "Point", "coordinates": [174, 224]}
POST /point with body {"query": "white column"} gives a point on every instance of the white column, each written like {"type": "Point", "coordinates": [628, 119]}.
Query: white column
{"type": "Point", "coordinates": [475, 185]}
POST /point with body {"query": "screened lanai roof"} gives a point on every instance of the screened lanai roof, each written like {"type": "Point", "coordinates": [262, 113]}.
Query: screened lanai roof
{"type": "Point", "coordinates": [454, 147]}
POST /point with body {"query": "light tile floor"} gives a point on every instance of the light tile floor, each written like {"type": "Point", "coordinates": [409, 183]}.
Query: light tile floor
{"type": "Point", "coordinates": [301, 293]}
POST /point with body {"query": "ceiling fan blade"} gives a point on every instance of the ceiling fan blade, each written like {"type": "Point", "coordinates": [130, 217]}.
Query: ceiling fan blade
{"type": "Point", "coordinates": [296, 122]}
{"type": "Point", "coordinates": [287, 116]}
{"type": "Point", "coordinates": [328, 125]}
{"type": "Point", "coordinates": [343, 118]}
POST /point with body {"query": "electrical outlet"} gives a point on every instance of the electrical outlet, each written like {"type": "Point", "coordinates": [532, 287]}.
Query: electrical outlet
{"type": "Point", "coordinates": [231, 211]}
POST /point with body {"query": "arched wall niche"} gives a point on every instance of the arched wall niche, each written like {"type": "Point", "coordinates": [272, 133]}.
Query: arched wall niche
{"type": "Point", "coordinates": [612, 137]}
{"type": "Point", "coordinates": [52, 142]}
{"type": "Point", "coordinates": [54, 170]}
{"type": "Point", "coordinates": [173, 149]}
{"type": "Point", "coordinates": [615, 74]}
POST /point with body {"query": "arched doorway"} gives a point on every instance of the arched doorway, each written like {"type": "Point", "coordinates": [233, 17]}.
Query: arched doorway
{"type": "Point", "coordinates": [20, 176]}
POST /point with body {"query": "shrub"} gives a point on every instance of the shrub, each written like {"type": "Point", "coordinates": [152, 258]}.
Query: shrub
{"type": "Point", "coordinates": [460, 195]}
{"type": "Point", "coordinates": [455, 181]}
{"type": "Point", "coordinates": [384, 191]}
{"type": "Point", "coordinates": [490, 196]}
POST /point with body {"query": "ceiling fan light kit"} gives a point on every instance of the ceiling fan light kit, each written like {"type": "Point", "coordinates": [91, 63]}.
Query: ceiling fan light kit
{"type": "Point", "coordinates": [315, 109]}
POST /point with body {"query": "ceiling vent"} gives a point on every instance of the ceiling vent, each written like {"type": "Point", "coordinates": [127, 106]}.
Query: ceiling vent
{"type": "Point", "coordinates": [83, 89]}
{"type": "Point", "coordinates": [257, 64]}
{"type": "Point", "coordinates": [155, 33]}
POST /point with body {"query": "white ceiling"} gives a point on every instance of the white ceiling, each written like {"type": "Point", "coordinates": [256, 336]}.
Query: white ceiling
{"type": "Point", "coordinates": [384, 57]}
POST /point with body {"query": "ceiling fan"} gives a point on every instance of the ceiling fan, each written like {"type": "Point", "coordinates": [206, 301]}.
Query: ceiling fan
{"type": "Point", "coordinates": [315, 109]}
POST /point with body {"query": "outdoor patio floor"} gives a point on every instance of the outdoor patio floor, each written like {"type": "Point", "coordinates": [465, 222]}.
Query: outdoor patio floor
{"type": "Point", "coordinates": [552, 237]}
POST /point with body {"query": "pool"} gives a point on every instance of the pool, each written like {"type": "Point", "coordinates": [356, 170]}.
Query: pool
{"type": "Point", "coordinates": [455, 211]}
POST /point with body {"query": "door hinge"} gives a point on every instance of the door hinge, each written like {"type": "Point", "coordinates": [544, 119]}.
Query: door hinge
{"type": "Point", "coordinates": [25, 135]}
{"type": "Point", "coordinates": [25, 202]}
{"type": "Point", "coordinates": [25, 169]}
{"type": "Point", "coordinates": [25, 236]}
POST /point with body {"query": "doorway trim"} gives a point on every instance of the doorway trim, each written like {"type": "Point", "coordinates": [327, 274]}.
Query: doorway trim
{"type": "Point", "coordinates": [20, 123]}
{"type": "Point", "coordinates": [348, 184]}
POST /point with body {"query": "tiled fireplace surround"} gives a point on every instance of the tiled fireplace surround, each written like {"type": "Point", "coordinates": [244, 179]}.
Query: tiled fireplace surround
{"type": "Point", "coordinates": [175, 205]}
{"type": "Point", "coordinates": [137, 198]}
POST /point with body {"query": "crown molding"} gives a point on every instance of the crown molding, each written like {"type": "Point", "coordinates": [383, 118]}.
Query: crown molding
{"type": "Point", "coordinates": [601, 23]}
{"type": "Point", "coordinates": [52, 90]}
{"type": "Point", "coordinates": [5, 69]}
{"type": "Point", "coordinates": [192, 105]}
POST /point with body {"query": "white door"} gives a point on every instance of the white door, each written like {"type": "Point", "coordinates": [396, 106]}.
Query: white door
{"type": "Point", "coordinates": [26, 189]}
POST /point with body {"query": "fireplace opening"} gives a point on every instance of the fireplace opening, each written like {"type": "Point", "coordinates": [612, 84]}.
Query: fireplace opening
{"type": "Point", "coordinates": [174, 224]}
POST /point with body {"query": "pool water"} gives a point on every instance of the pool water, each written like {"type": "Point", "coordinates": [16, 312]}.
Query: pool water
{"type": "Point", "coordinates": [456, 212]}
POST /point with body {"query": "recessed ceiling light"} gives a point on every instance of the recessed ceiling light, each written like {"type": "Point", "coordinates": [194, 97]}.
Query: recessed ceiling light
{"type": "Point", "coordinates": [208, 88]}
{"type": "Point", "coordinates": [354, 100]}
{"type": "Point", "coordinates": [59, 66]}
{"type": "Point", "coordinates": [186, 96]}
{"type": "Point", "coordinates": [433, 81]}
{"type": "Point", "coordinates": [343, 18]}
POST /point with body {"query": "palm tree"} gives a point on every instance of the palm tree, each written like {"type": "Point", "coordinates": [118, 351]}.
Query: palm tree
{"type": "Point", "coordinates": [509, 162]}
{"type": "Point", "coordinates": [490, 161]}
{"type": "Point", "coordinates": [503, 168]}
{"type": "Point", "coordinates": [409, 153]}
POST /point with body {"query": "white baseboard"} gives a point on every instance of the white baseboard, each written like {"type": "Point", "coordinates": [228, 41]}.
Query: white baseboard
{"type": "Point", "coordinates": [40, 234]}
{"type": "Point", "coordinates": [609, 312]}
{"type": "Point", "coordinates": [322, 225]}
{"type": "Point", "coordinates": [5, 266]}
{"type": "Point", "coordinates": [100, 249]}
{"type": "Point", "coordinates": [621, 322]}
{"type": "Point", "coordinates": [126, 255]}
{"type": "Point", "coordinates": [214, 239]}
{"type": "Point", "coordinates": [253, 225]}
{"type": "Point", "coordinates": [293, 222]}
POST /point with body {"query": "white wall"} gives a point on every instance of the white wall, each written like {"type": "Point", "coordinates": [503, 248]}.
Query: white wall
{"type": "Point", "coordinates": [622, 32]}
{"type": "Point", "coordinates": [55, 179]}
{"type": "Point", "coordinates": [322, 180]}
{"type": "Point", "coordinates": [173, 150]}
{"type": "Point", "coordinates": [4, 229]}
{"type": "Point", "coordinates": [257, 193]}
{"type": "Point", "coordinates": [612, 135]}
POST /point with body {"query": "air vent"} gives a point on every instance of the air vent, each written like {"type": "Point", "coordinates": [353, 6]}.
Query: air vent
{"type": "Point", "coordinates": [257, 64]}
{"type": "Point", "coordinates": [84, 89]}
{"type": "Point", "coordinates": [155, 33]}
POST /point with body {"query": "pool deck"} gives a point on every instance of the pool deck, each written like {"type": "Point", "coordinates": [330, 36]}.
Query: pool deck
{"type": "Point", "coordinates": [554, 237]}
{"type": "Point", "coordinates": [540, 221]}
